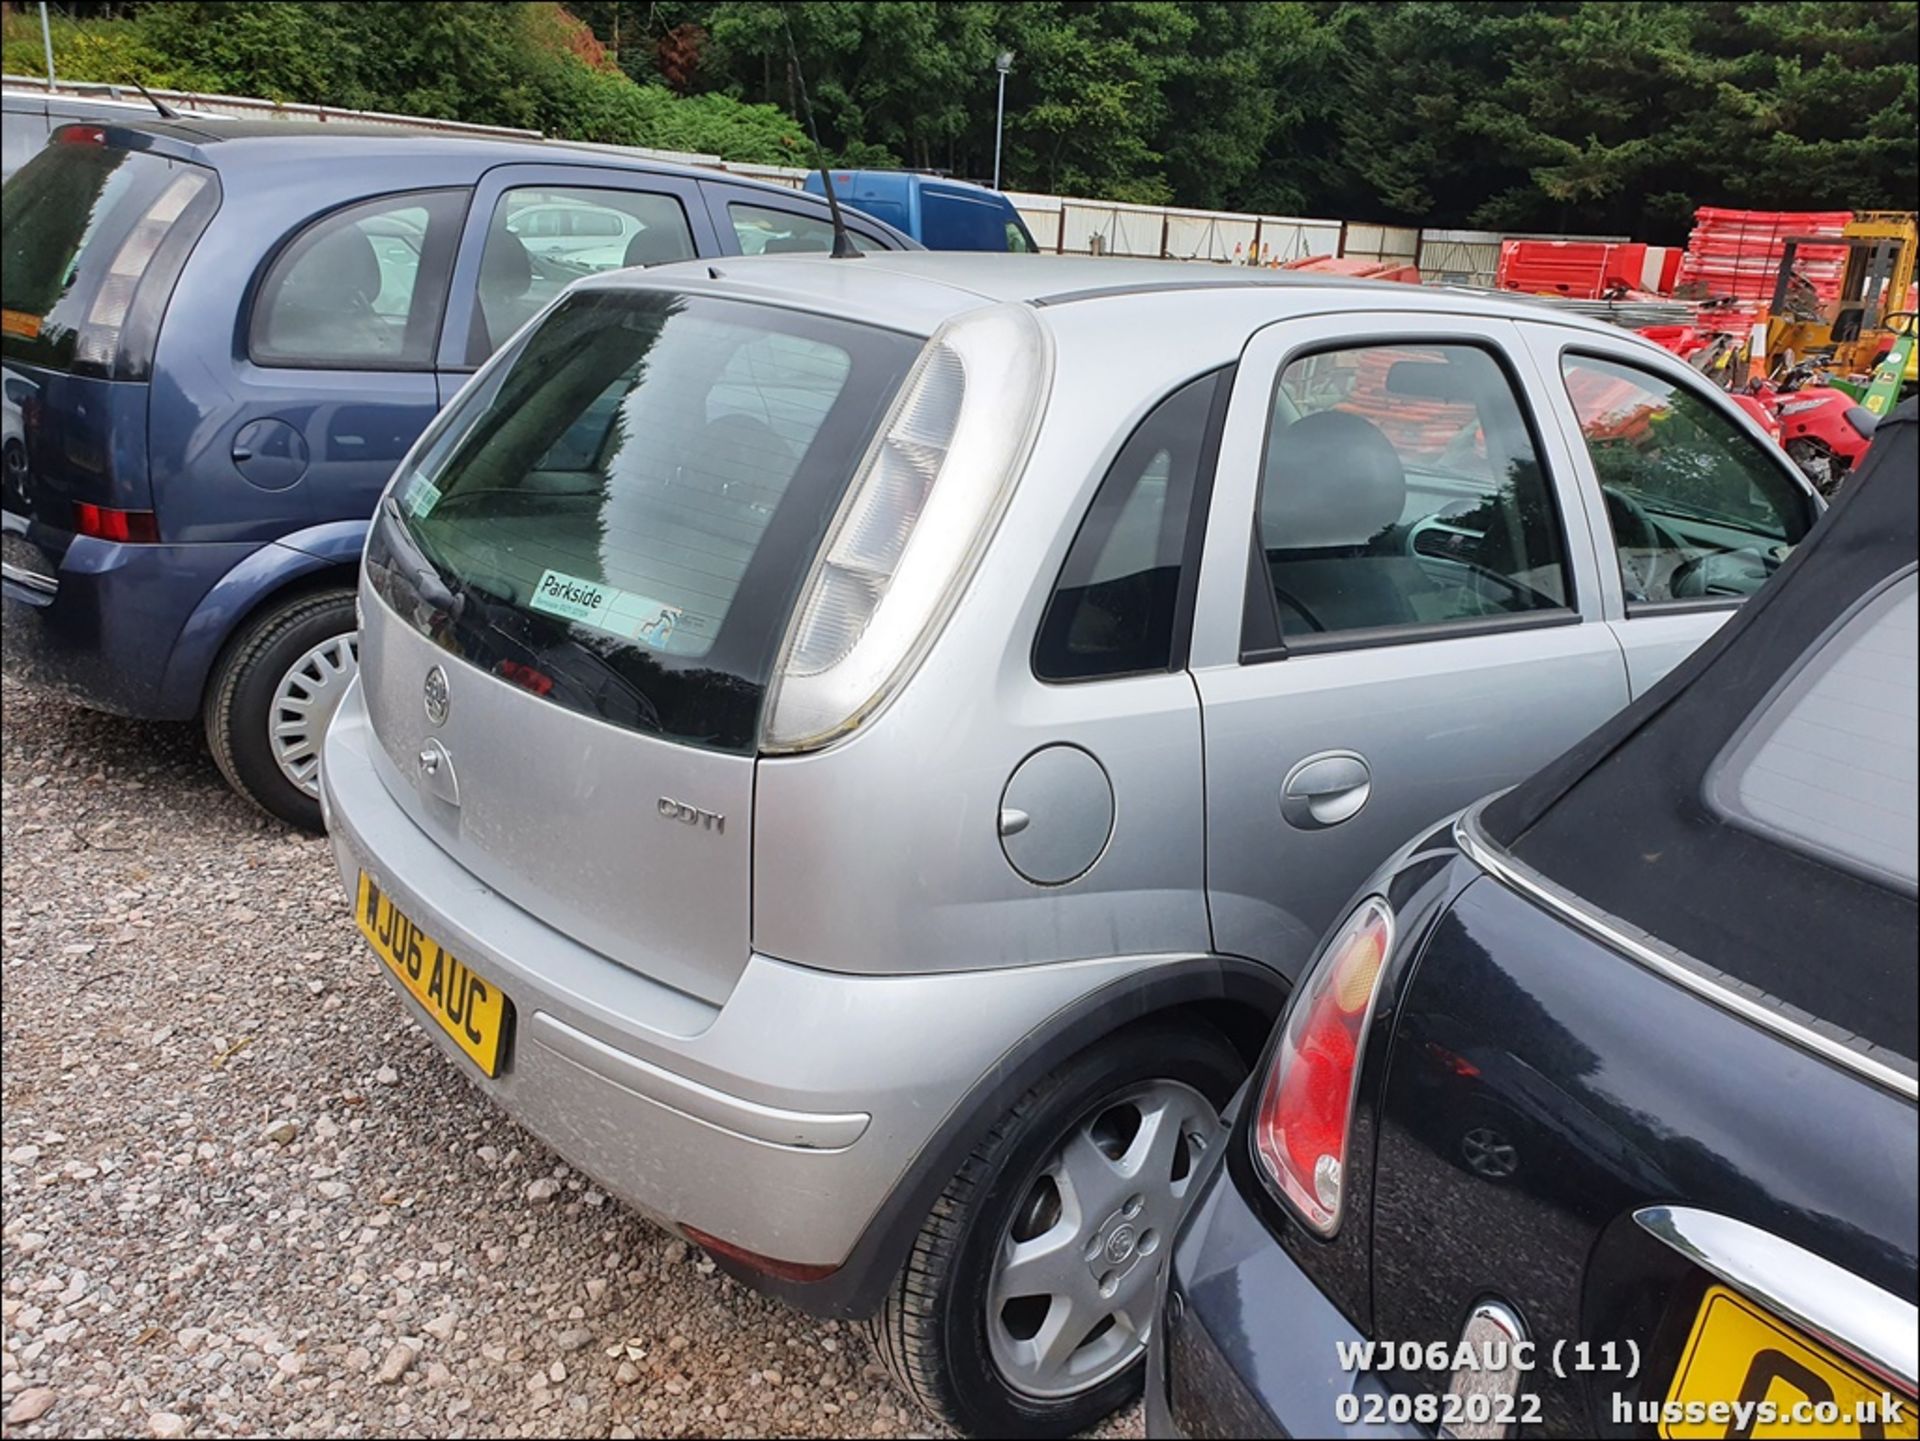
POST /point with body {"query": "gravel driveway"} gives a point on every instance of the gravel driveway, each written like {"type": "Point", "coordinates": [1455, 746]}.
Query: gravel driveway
{"type": "Point", "coordinates": [243, 1194]}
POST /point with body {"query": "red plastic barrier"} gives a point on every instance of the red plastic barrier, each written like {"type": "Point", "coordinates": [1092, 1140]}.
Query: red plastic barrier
{"type": "Point", "coordinates": [1581, 268]}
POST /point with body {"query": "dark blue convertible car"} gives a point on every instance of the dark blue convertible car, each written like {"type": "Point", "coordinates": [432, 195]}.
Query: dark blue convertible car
{"type": "Point", "coordinates": [1597, 1116]}
{"type": "Point", "coordinates": [219, 339]}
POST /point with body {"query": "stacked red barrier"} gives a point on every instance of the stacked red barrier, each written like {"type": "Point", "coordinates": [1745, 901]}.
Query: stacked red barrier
{"type": "Point", "coordinates": [1734, 255]}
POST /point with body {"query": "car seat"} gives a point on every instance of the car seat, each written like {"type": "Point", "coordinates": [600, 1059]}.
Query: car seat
{"type": "Point", "coordinates": [1330, 510]}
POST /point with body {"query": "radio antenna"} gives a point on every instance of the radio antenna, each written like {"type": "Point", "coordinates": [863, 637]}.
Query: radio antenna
{"type": "Point", "coordinates": [843, 246]}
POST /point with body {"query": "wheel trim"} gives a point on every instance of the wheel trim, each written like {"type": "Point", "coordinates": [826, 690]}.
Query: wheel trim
{"type": "Point", "coordinates": [304, 701]}
{"type": "Point", "coordinates": [1072, 1306]}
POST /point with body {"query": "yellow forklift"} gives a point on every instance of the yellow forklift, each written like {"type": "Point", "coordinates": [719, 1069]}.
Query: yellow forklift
{"type": "Point", "coordinates": [1871, 321]}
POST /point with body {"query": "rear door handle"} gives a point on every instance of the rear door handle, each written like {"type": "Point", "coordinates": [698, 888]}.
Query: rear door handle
{"type": "Point", "coordinates": [1325, 789]}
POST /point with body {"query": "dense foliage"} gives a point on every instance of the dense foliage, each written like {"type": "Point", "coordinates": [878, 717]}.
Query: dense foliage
{"type": "Point", "coordinates": [1590, 115]}
{"type": "Point", "coordinates": [1597, 115]}
{"type": "Point", "coordinates": [530, 65]}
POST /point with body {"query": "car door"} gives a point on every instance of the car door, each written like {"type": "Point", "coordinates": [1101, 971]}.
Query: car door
{"type": "Point", "coordinates": [751, 221]}
{"type": "Point", "coordinates": [335, 378]}
{"type": "Point", "coordinates": [533, 229]}
{"type": "Point", "coordinates": [1692, 506]}
{"type": "Point", "coordinates": [1398, 608]}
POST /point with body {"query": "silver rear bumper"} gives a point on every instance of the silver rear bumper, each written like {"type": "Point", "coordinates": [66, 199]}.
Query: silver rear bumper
{"type": "Point", "coordinates": [778, 1121]}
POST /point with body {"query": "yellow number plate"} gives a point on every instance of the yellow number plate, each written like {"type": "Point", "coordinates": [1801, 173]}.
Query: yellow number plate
{"type": "Point", "coordinates": [1739, 1353]}
{"type": "Point", "coordinates": [470, 1010]}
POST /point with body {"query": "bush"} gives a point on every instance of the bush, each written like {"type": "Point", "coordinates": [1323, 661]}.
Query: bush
{"type": "Point", "coordinates": [519, 64]}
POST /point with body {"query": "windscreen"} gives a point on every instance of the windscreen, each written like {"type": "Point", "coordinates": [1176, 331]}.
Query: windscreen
{"type": "Point", "coordinates": [620, 517]}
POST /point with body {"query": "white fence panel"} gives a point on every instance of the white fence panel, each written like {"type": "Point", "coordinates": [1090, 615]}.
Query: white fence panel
{"type": "Point", "coordinates": [1381, 242]}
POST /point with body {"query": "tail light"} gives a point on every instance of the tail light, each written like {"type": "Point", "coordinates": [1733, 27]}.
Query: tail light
{"type": "Point", "coordinates": [129, 527]}
{"type": "Point", "coordinates": [1305, 1120]}
{"type": "Point", "coordinates": [913, 524]}
{"type": "Point", "coordinates": [99, 342]}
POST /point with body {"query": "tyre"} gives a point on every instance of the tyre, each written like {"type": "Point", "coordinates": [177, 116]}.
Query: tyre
{"type": "Point", "coordinates": [273, 692]}
{"type": "Point", "coordinates": [1026, 1304]}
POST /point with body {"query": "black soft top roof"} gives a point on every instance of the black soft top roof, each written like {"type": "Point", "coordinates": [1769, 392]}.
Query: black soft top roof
{"type": "Point", "coordinates": [1633, 819]}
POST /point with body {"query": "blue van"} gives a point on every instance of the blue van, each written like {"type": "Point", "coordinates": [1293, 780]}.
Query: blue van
{"type": "Point", "coordinates": [941, 214]}
{"type": "Point", "coordinates": [219, 340]}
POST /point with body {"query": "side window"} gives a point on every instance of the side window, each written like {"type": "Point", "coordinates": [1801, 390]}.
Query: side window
{"type": "Point", "coordinates": [1017, 242]}
{"type": "Point", "coordinates": [361, 288]}
{"type": "Point", "coordinates": [763, 231]}
{"type": "Point", "coordinates": [1403, 489]}
{"type": "Point", "coordinates": [1115, 606]}
{"type": "Point", "coordinates": [1698, 511]}
{"type": "Point", "coordinates": [542, 237]}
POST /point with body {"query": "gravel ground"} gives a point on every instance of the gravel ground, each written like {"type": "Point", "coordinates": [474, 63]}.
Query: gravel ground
{"type": "Point", "coordinates": [243, 1194]}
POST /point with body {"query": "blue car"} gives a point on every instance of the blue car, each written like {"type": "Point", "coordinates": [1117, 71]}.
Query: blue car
{"type": "Point", "coordinates": [941, 214]}
{"type": "Point", "coordinates": [219, 340]}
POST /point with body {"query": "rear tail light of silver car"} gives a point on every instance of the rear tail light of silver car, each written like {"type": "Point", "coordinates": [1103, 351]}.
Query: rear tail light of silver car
{"type": "Point", "coordinates": [912, 526]}
{"type": "Point", "coordinates": [1304, 1124]}
{"type": "Point", "coordinates": [99, 340]}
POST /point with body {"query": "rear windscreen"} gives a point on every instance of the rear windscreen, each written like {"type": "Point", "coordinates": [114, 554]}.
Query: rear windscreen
{"type": "Point", "coordinates": [84, 224]}
{"type": "Point", "coordinates": [619, 519]}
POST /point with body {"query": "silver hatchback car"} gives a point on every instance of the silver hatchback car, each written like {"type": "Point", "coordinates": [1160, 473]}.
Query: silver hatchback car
{"type": "Point", "coordinates": [854, 753]}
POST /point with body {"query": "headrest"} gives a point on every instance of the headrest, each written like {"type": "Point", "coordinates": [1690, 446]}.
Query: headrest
{"type": "Point", "coordinates": [655, 245]}
{"type": "Point", "coordinates": [1434, 380]}
{"type": "Point", "coordinates": [1332, 480]}
{"type": "Point", "coordinates": [339, 266]}
{"type": "Point", "coordinates": [506, 270]}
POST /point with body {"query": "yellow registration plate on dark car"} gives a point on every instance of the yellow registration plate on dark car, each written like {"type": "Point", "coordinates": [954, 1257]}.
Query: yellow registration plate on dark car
{"type": "Point", "coordinates": [1739, 1354]}
{"type": "Point", "coordinates": [467, 1008]}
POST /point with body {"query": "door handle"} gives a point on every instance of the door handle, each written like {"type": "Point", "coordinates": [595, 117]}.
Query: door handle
{"type": "Point", "coordinates": [1325, 789]}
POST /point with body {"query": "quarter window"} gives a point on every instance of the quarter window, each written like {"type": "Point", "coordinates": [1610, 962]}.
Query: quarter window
{"type": "Point", "coordinates": [1402, 489]}
{"type": "Point", "coordinates": [362, 288]}
{"type": "Point", "coordinates": [542, 237]}
{"type": "Point", "coordinates": [1698, 512]}
{"type": "Point", "coordinates": [1115, 607]}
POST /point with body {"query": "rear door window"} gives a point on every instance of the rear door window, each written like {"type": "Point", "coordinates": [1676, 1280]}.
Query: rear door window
{"type": "Point", "coordinates": [1403, 491]}
{"type": "Point", "coordinates": [362, 288]}
{"type": "Point", "coordinates": [543, 237]}
{"type": "Point", "coordinates": [1698, 512]}
{"type": "Point", "coordinates": [626, 516]}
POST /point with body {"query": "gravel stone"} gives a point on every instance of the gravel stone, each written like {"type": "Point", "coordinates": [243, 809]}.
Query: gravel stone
{"type": "Point", "coordinates": [144, 1058]}
{"type": "Point", "coordinates": [31, 1405]}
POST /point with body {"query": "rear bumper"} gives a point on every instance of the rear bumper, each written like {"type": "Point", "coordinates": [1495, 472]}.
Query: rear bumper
{"type": "Point", "coordinates": [103, 635]}
{"type": "Point", "coordinates": [780, 1121]}
{"type": "Point", "coordinates": [1246, 1344]}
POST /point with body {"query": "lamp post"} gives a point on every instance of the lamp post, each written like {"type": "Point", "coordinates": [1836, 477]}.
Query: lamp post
{"type": "Point", "coordinates": [1003, 62]}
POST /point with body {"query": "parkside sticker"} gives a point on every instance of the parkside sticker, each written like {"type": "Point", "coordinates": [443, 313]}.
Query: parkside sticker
{"type": "Point", "coordinates": [605, 607]}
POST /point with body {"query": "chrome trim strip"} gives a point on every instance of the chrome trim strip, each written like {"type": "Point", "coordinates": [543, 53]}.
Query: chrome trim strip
{"type": "Point", "coordinates": [749, 1120]}
{"type": "Point", "coordinates": [1491, 1323]}
{"type": "Point", "coordinates": [1512, 873]}
{"type": "Point", "coordinates": [1858, 1319]}
{"type": "Point", "coordinates": [45, 584]}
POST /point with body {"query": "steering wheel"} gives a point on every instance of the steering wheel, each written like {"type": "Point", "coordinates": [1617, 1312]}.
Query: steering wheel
{"type": "Point", "coordinates": [1633, 529]}
{"type": "Point", "coordinates": [1901, 322]}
